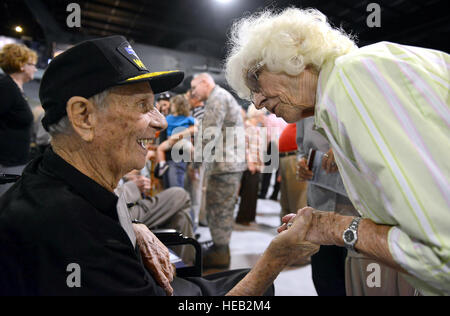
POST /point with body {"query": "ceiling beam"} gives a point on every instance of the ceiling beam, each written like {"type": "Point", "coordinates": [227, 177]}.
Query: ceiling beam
{"type": "Point", "coordinates": [157, 11]}
{"type": "Point", "coordinates": [141, 23]}
{"type": "Point", "coordinates": [429, 17]}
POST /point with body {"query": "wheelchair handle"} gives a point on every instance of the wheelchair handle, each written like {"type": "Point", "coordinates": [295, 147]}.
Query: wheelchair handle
{"type": "Point", "coordinates": [8, 178]}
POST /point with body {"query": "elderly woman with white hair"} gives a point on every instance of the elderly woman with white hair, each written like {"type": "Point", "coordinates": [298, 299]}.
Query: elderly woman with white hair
{"type": "Point", "coordinates": [384, 109]}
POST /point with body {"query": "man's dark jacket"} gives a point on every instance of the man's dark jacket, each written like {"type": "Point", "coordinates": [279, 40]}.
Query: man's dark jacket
{"type": "Point", "coordinates": [55, 216]}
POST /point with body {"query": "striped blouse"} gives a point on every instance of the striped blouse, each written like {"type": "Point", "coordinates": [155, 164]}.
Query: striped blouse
{"type": "Point", "coordinates": [385, 110]}
{"type": "Point", "coordinates": [254, 143]}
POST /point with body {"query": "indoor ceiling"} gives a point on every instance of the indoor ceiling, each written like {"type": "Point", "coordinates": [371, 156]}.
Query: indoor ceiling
{"type": "Point", "coordinates": [202, 26]}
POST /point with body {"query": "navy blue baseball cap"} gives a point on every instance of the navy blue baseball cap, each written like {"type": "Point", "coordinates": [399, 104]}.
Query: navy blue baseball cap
{"type": "Point", "coordinates": [93, 66]}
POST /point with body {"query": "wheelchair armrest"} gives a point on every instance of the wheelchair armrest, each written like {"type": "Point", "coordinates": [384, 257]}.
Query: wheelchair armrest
{"type": "Point", "coordinates": [8, 178]}
{"type": "Point", "coordinates": [162, 232]}
{"type": "Point", "coordinates": [170, 237]}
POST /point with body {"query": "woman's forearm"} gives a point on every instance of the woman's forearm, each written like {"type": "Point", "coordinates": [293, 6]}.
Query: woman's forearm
{"type": "Point", "coordinates": [372, 238]}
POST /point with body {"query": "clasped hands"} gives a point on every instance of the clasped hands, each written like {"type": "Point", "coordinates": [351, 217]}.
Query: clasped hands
{"type": "Point", "coordinates": [307, 230]}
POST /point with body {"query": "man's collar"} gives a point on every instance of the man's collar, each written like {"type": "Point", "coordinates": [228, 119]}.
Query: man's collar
{"type": "Point", "coordinates": [213, 90]}
{"type": "Point", "coordinates": [100, 198]}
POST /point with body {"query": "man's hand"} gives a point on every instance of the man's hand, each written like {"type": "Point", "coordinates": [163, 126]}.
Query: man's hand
{"type": "Point", "coordinates": [291, 244]}
{"type": "Point", "coordinates": [143, 183]}
{"type": "Point", "coordinates": [155, 256]}
{"type": "Point", "coordinates": [328, 162]}
{"type": "Point", "coordinates": [303, 172]}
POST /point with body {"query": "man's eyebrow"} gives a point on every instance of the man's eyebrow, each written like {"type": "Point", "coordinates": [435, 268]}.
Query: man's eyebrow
{"type": "Point", "coordinates": [143, 95]}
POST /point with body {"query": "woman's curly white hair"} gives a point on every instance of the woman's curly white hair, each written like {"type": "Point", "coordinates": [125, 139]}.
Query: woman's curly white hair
{"type": "Point", "coordinates": [283, 42]}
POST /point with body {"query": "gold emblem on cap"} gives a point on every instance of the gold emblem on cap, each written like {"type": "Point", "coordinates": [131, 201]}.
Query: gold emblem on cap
{"type": "Point", "coordinates": [150, 75]}
{"type": "Point", "coordinates": [139, 63]}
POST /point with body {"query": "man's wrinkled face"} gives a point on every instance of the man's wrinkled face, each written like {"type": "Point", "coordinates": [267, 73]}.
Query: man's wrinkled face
{"type": "Point", "coordinates": [283, 95]}
{"type": "Point", "coordinates": [127, 125]}
{"type": "Point", "coordinates": [199, 89]}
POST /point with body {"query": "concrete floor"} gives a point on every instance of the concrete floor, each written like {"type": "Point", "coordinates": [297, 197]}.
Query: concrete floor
{"type": "Point", "coordinates": [248, 243]}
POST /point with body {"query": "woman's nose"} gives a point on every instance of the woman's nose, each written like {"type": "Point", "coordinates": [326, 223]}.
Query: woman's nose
{"type": "Point", "coordinates": [258, 100]}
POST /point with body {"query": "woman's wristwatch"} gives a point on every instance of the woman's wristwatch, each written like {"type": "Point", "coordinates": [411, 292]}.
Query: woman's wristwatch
{"type": "Point", "coordinates": [350, 235]}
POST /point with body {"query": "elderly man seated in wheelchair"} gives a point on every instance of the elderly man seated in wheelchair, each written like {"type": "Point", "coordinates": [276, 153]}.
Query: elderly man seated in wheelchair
{"type": "Point", "coordinates": [63, 215]}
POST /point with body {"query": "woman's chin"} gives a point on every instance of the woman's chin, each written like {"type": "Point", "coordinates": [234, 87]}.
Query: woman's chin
{"type": "Point", "coordinates": [291, 115]}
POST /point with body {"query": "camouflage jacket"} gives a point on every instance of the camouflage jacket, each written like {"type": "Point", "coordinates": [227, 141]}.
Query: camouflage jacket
{"type": "Point", "coordinates": [221, 135]}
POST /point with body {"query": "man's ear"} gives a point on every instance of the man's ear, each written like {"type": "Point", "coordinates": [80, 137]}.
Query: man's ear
{"type": "Point", "coordinates": [81, 113]}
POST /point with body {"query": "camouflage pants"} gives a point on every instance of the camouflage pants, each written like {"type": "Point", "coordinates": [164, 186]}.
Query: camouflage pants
{"type": "Point", "coordinates": [221, 198]}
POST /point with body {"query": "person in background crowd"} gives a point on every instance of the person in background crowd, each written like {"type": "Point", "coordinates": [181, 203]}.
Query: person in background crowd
{"type": "Point", "coordinates": [16, 119]}
{"type": "Point", "coordinates": [293, 192]}
{"type": "Point", "coordinates": [163, 106]}
{"type": "Point", "coordinates": [197, 107]}
{"type": "Point", "coordinates": [250, 179]}
{"type": "Point", "coordinates": [222, 115]}
{"type": "Point", "coordinates": [40, 139]}
{"type": "Point", "coordinates": [274, 125]}
{"type": "Point", "coordinates": [384, 109]}
{"type": "Point", "coordinates": [163, 103]}
{"type": "Point", "coordinates": [169, 209]}
{"type": "Point", "coordinates": [179, 120]}
{"type": "Point", "coordinates": [194, 178]}
{"type": "Point", "coordinates": [327, 265]}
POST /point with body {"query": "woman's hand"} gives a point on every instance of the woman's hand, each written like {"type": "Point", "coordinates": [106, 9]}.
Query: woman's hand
{"type": "Point", "coordinates": [328, 162]}
{"type": "Point", "coordinates": [303, 172]}
{"type": "Point", "coordinates": [291, 245]}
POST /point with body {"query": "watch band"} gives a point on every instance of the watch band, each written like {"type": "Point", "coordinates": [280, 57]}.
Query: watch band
{"type": "Point", "coordinates": [355, 223]}
{"type": "Point", "coordinates": [354, 229]}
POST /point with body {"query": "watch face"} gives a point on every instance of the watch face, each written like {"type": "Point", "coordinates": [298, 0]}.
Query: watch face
{"type": "Point", "coordinates": [349, 236]}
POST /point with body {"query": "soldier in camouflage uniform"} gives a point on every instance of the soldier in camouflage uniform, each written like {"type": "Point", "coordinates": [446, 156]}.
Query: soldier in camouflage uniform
{"type": "Point", "coordinates": [224, 162]}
